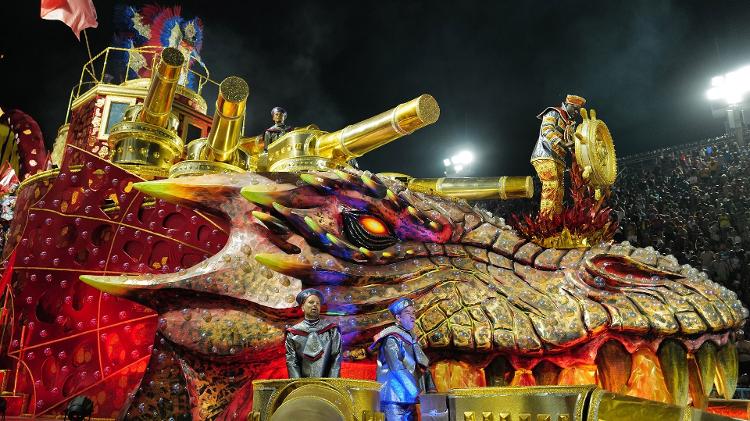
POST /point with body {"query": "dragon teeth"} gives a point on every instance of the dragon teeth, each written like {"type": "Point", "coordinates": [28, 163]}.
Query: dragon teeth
{"type": "Point", "coordinates": [646, 380]}
{"type": "Point", "coordinates": [705, 357]}
{"type": "Point", "coordinates": [614, 365]}
{"type": "Point", "coordinates": [672, 375]}
{"type": "Point", "coordinates": [696, 385]}
{"type": "Point", "coordinates": [673, 361]}
{"type": "Point", "coordinates": [726, 370]}
{"type": "Point", "coordinates": [498, 372]}
{"type": "Point", "coordinates": [577, 374]}
{"type": "Point", "coordinates": [546, 373]}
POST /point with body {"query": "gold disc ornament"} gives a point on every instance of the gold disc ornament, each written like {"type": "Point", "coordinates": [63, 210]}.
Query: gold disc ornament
{"type": "Point", "coordinates": [595, 151]}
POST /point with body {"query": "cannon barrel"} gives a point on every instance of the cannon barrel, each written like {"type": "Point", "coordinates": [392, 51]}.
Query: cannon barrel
{"type": "Point", "coordinates": [220, 152]}
{"type": "Point", "coordinates": [476, 188]}
{"type": "Point", "coordinates": [158, 103]}
{"type": "Point", "coordinates": [228, 118]}
{"type": "Point", "coordinates": [357, 139]}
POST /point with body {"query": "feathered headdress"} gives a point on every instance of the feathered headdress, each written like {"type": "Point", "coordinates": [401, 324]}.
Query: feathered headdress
{"type": "Point", "coordinates": [158, 26]}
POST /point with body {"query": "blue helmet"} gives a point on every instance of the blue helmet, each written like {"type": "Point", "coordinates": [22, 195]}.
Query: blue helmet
{"type": "Point", "coordinates": [399, 305]}
{"type": "Point", "coordinates": [302, 296]}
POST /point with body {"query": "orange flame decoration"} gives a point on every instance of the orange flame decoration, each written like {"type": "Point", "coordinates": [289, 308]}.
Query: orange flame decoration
{"type": "Point", "coordinates": [646, 380]}
{"type": "Point", "coordinates": [588, 217]}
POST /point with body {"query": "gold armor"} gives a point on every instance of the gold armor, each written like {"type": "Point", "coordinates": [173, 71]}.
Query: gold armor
{"type": "Point", "coordinates": [556, 137]}
{"type": "Point", "coordinates": [550, 172]}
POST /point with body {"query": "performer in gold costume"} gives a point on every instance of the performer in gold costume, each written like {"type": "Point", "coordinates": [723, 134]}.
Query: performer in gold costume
{"type": "Point", "coordinates": [556, 137]}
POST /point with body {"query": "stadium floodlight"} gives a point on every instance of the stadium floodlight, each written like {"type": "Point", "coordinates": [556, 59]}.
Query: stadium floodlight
{"type": "Point", "coordinates": [731, 87]}
{"type": "Point", "coordinates": [458, 162]}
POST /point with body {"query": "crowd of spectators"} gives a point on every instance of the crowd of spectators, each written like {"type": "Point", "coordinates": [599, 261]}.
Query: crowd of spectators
{"type": "Point", "coordinates": [691, 201]}
{"type": "Point", "coordinates": [693, 204]}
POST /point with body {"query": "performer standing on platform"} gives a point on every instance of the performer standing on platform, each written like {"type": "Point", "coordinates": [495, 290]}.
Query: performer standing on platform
{"type": "Point", "coordinates": [403, 367]}
{"type": "Point", "coordinates": [556, 138]}
{"type": "Point", "coordinates": [313, 346]}
{"type": "Point", "coordinates": [279, 127]}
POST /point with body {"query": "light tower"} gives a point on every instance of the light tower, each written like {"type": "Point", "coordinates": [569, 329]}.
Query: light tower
{"type": "Point", "coordinates": [727, 94]}
{"type": "Point", "coordinates": [458, 163]}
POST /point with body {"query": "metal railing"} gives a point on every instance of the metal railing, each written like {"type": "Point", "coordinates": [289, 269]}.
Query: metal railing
{"type": "Point", "coordinates": [100, 69]}
{"type": "Point", "coordinates": [722, 140]}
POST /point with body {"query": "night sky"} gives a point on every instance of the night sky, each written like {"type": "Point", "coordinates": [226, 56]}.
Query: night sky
{"type": "Point", "coordinates": [492, 66]}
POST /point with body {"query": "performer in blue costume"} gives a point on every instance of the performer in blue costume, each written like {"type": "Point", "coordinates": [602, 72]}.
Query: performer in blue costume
{"type": "Point", "coordinates": [403, 367]}
{"type": "Point", "coordinates": [313, 346]}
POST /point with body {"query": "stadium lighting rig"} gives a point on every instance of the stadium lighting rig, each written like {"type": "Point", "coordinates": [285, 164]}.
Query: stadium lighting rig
{"type": "Point", "coordinates": [731, 87]}
{"type": "Point", "coordinates": [458, 162]}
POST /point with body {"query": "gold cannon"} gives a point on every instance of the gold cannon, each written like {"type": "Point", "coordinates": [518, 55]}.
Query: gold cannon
{"type": "Point", "coordinates": [146, 140]}
{"type": "Point", "coordinates": [471, 188]}
{"type": "Point", "coordinates": [219, 152]}
{"type": "Point", "coordinates": [311, 148]}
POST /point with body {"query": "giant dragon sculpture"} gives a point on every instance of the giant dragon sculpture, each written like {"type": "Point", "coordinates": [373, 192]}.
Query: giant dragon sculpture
{"type": "Point", "coordinates": [494, 307]}
{"type": "Point", "coordinates": [630, 317]}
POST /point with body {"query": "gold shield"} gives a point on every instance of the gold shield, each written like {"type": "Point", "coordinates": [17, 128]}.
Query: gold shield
{"type": "Point", "coordinates": [595, 150]}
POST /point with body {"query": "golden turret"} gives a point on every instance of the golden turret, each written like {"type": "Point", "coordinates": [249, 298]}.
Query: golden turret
{"type": "Point", "coordinates": [310, 148]}
{"type": "Point", "coordinates": [146, 141]}
{"type": "Point", "coordinates": [219, 152]}
{"type": "Point", "coordinates": [471, 188]}
{"type": "Point", "coordinates": [157, 106]}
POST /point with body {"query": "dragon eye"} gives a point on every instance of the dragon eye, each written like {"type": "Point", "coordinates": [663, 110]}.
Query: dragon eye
{"type": "Point", "coordinates": [365, 230]}
{"type": "Point", "coordinates": [373, 225]}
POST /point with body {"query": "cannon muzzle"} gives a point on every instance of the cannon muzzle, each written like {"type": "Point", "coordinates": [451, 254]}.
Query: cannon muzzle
{"type": "Point", "coordinates": [158, 103]}
{"type": "Point", "coordinates": [220, 152]}
{"type": "Point", "coordinates": [357, 139]}
{"type": "Point", "coordinates": [228, 118]}
{"type": "Point", "coordinates": [476, 188]}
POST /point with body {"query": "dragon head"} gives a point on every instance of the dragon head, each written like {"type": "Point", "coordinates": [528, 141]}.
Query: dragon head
{"type": "Point", "coordinates": [487, 299]}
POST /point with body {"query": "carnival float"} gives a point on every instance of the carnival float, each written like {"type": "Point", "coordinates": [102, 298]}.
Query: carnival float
{"type": "Point", "coordinates": [153, 266]}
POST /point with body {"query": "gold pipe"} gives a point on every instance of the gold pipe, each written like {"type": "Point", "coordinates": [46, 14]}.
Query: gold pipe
{"type": "Point", "coordinates": [476, 188]}
{"type": "Point", "coordinates": [158, 103]}
{"type": "Point", "coordinates": [228, 119]}
{"type": "Point", "coordinates": [357, 139]}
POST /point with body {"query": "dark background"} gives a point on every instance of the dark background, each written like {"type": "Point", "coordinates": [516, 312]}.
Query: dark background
{"type": "Point", "coordinates": [492, 66]}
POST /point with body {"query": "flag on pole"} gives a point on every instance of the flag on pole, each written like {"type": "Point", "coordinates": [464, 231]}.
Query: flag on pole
{"type": "Point", "coordinates": [78, 14]}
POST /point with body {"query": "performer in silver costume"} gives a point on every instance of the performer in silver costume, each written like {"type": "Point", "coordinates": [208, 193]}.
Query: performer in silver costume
{"type": "Point", "coordinates": [313, 346]}
{"type": "Point", "coordinates": [403, 367]}
{"type": "Point", "coordinates": [279, 128]}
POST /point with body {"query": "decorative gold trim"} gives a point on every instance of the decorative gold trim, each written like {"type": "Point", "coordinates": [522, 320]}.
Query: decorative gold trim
{"type": "Point", "coordinates": [199, 167]}
{"type": "Point", "coordinates": [38, 177]}
{"type": "Point", "coordinates": [194, 96]}
{"type": "Point", "coordinates": [147, 172]}
{"type": "Point", "coordinates": [357, 395]}
{"type": "Point", "coordinates": [301, 163]}
{"type": "Point", "coordinates": [126, 89]}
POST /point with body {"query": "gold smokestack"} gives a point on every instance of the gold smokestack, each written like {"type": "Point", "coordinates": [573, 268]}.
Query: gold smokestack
{"type": "Point", "coordinates": [158, 103]}
{"type": "Point", "coordinates": [219, 152]}
{"type": "Point", "coordinates": [476, 188]}
{"type": "Point", "coordinates": [230, 114]}
{"type": "Point", "coordinates": [146, 141]}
